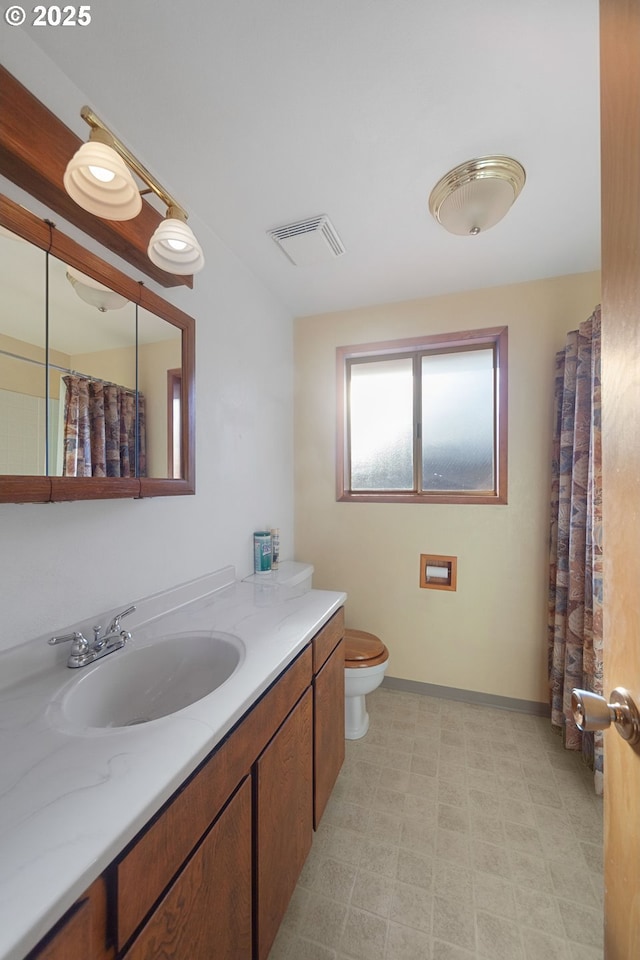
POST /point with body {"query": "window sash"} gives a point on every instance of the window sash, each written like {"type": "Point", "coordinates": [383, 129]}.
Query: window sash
{"type": "Point", "coordinates": [349, 358]}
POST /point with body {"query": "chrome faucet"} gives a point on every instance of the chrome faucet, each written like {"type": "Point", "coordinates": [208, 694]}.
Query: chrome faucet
{"type": "Point", "coordinates": [84, 652]}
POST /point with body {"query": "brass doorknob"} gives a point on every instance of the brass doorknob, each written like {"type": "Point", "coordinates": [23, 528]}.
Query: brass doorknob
{"type": "Point", "coordinates": [592, 712]}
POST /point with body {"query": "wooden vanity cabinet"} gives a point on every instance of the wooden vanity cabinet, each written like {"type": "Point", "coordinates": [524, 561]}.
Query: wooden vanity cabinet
{"type": "Point", "coordinates": [211, 875]}
{"type": "Point", "coordinates": [328, 711]}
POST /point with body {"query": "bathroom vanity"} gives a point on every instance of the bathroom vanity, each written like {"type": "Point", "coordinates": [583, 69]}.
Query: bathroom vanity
{"type": "Point", "coordinates": [215, 805]}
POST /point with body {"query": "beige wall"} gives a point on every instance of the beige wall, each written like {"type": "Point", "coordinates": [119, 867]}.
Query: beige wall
{"type": "Point", "coordinates": [490, 635]}
{"type": "Point", "coordinates": [28, 378]}
{"type": "Point", "coordinates": [154, 361]}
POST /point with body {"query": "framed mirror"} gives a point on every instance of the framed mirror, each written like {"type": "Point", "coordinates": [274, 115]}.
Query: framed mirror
{"type": "Point", "coordinates": [96, 374]}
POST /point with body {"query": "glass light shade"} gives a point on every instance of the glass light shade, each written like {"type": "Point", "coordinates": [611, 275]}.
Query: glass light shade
{"type": "Point", "coordinates": [174, 248]}
{"type": "Point", "coordinates": [117, 198]}
{"type": "Point", "coordinates": [94, 293]}
{"type": "Point", "coordinates": [476, 195]}
{"type": "Point", "coordinates": [474, 207]}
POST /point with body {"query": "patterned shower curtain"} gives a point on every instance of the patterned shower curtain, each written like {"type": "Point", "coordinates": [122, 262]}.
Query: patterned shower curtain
{"type": "Point", "coordinates": [575, 568]}
{"type": "Point", "coordinates": [100, 430]}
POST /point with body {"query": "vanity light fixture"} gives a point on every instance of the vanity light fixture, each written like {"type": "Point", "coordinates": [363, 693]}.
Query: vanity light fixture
{"type": "Point", "coordinates": [94, 293]}
{"type": "Point", "coordinates": [477, 194]}
{"type": "Point", "coordinates": [100, 181]}
{"type": "Point", "coordinates": [173, 246]}
{"type": "Point", "coordinates": [99, 178]}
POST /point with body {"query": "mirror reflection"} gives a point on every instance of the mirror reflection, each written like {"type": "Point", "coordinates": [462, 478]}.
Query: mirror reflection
{"type": "Point", "coordinates": [23, 407]}
{"type": "Point", "coordinates": [108, 402]}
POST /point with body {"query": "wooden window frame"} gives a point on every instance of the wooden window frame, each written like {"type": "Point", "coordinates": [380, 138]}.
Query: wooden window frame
{"type": "Point", "coordinates": [494, 337]}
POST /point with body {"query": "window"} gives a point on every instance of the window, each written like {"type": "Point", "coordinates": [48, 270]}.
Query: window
{"type": "Point", "coordinates": [424, 420]}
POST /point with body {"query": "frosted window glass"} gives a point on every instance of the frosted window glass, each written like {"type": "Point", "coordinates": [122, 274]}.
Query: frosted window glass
{"type": "Point", "coordinates": [381, 422]}
{"type": "Point", "coordinates": [458, 421]}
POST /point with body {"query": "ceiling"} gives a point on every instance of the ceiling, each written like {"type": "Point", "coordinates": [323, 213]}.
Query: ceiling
{"type": "Point", "coordinates": [255, 113]}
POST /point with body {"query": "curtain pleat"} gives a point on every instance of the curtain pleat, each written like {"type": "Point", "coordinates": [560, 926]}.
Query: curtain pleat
{"type": "Point", "coordinates": [100, 430]}
{"type": "Point", "coordinates": [96, 417]}
{"type": "Point", "coordinates": [575, 556]}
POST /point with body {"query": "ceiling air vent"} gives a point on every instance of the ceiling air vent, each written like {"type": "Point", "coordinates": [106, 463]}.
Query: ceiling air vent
{"type": "Point", "coordinates": [308, 241]}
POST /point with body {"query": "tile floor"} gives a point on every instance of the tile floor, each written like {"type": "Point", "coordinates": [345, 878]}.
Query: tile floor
{"type": "Point", "coordinates": [454, 832]}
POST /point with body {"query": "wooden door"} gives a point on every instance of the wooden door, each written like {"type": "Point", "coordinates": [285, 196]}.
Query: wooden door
{"type": "Point", "coordinates": [328, 729]}
{"type": "Point", "coordinates": [284, 817]}
{"type": "Point", "coordinates": [620, 131]}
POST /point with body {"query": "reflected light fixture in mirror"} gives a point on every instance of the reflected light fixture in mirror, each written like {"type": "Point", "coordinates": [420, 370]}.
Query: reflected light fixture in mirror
{"type": "Point", "coordinates": [94, 293]}
{"type": "Point", "coordinates": [99, 179]}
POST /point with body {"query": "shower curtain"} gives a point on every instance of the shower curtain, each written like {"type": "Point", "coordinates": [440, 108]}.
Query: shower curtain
{"type": "Point", "coordinates": [100, 430]}
{"type": "Point", "coordinates": [575, 567]}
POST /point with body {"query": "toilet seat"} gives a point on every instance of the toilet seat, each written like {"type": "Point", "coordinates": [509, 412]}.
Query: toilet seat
{"type": "Point", "coordinates": [363, 649]}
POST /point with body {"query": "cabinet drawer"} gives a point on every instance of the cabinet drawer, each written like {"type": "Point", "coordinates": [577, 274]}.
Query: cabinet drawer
{"type": "Point", "coordinates": [158, 854]}
{"type": "Point", "coordinates": [326, 640]}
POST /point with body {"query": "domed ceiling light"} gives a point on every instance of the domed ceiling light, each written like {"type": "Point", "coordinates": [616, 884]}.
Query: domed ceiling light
{"type": "Point", "coordinates": [94, 293]}
{"type": "Point", "coordinates": [99, 178]}
{"type": "Point", "coordinates": [476, 195]}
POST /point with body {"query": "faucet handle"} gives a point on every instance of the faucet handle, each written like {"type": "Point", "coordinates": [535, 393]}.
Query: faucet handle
{"type": "Point", "coordinates": [68, 636]}
{"type": "Point", "coordinates": [114, 626]}
{"type": "Point", "coordinates": [79, 645]}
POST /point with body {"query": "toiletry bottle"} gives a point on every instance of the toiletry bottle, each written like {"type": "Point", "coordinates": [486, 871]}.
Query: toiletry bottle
{"type": "Point", "coordinates": [262, 551]}
{"type": "Point", "coordinates": [275, 547]}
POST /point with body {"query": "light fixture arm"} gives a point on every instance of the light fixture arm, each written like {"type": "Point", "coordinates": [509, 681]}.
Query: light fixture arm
{"type": "Point", "coordinates": [96, 123]}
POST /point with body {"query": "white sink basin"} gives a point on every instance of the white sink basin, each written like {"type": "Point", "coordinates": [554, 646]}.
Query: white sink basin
{"type": "Point", "coordinates": [135, 685]}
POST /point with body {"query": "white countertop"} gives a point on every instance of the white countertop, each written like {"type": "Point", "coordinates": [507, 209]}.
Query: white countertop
{"type": "Point", "coordinates": [71, 798]}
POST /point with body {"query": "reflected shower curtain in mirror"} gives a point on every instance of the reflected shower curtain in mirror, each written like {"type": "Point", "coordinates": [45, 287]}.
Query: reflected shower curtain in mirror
{"type": "Point", "coordinates": [100, 430]}
{"type": "Point", "coordinates": [575, 568]}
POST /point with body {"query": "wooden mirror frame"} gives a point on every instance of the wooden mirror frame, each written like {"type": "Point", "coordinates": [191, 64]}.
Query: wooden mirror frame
{"type": "Point", "coordinates": [44, 489]}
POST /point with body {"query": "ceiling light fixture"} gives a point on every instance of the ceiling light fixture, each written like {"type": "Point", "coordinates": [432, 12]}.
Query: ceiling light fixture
{"type": "Point", "coordinates": [94, 293]}
{"type": "Point", "coordinates": [99, 178]}
{"type": "Point", "coordinates": [476, 195]}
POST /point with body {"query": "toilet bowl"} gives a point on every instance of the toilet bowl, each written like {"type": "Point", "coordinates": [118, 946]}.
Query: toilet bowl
{"type": "Point", "coordinates": [365, 663]}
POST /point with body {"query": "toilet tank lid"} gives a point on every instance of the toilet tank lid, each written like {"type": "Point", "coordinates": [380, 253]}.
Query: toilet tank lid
{"type": "Point", "coordinates": [290, 573]}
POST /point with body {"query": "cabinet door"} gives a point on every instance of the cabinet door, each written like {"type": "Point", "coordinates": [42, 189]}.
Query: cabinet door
{"type": "Point", "coordinates": [284, 817]}
{"type": "Point", "coordinates": [81, 933]}
{"type": "Point", "coordinates": [328, 729]}
{"type": "Point", "coordinates": [206, 913]}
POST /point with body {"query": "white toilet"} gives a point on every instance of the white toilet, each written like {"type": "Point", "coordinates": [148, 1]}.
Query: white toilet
{"type": "Point", "coordinates": [365, 663]}
{"type": "Point", "coordinates": [365, 655]}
